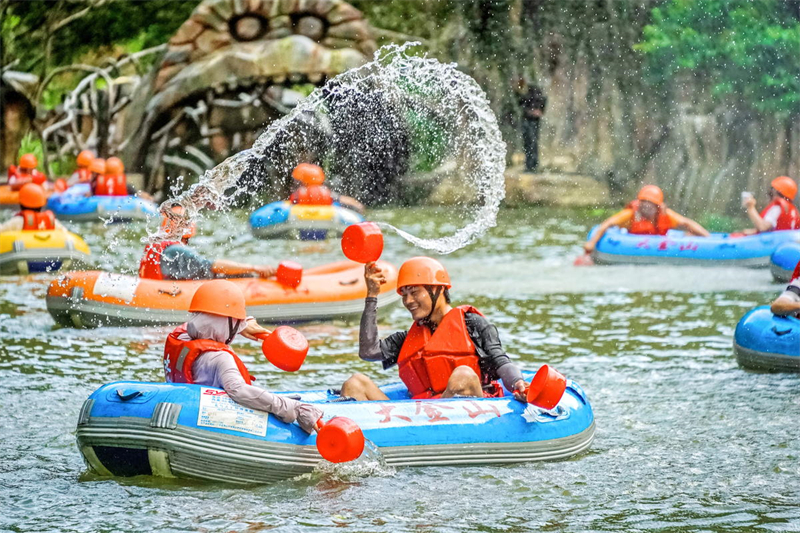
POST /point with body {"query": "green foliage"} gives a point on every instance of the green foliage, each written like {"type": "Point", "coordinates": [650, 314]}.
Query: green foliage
{"type": "Point", "coordinates": [744, 49]}
{"type": "Point", "coordinates": [32, 144]}
{"type": "Point", "coordinates": [722, 223]}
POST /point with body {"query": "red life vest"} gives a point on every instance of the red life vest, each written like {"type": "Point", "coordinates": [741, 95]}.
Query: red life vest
{"type": "Point", "coordinates": [37, 220]}
{"type": "Point", "coordinates": [642, 226]}
{"type": "Point", "coordinates": [427, 360]}
{"type": "Point", "coordinates": [180, 355]}
{"type": "Point", "coordinates": [312, 195]}
{"type": "Point", "coordinates": [789, 217]}
{"type": "Point", "coordinates": [111, 185]}
{"type": "Point", "coordinates": [17, 180]}
{"type": "Point", "coordinates": [150, 265]}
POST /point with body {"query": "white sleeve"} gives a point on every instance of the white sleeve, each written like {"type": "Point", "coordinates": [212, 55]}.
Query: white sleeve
{"type": "Point", "coordinates": [772, 215]}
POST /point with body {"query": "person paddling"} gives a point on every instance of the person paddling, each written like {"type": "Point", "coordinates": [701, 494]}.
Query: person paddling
{"type": "Point", "coordinates": [647, 215]}
{"type": "Point", "coordinates": [30, 216]}
{"type": "Point", "coordinates": [449, 351]}
{"type": "Point", "coordinates": [780, 214]}
{"type": "Point", "coordinates": [199, 352]}
{"type": "Point", "coordinates": [175, 260]}
{"type": "Point", "coordinates": [26, 173]}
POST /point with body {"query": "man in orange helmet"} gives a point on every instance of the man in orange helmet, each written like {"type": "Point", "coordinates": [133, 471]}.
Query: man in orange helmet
{"type": "Point", "coordinates": [313, 192]}
{"type": "Point", "coordinates": [780, 214]}
{"type": "Point", "coordinates": [199, 352]}
{"type": "Point", "coordinates": [647, 215]}
{"type": "Point", "coordinates": [30, 216]}
{"type": "Point", "coordinates": [175, 260]}
{"type": "Point", "coordinates": [82, 174]}
{"type": "Point", "coordinates": [26, 173]}
{"type": "Point", "coordinates": [449, 351]}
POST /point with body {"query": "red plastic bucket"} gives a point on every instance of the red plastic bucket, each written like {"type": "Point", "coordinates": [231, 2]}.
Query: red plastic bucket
{"type": "Point", "coordinates": [362, 242]}
{"type": "Point", "coordinates": [340, 440]}
{"type": "Point", "coordinates": [546, 388]}
{"type": "Point", "coordinates": [289, 274]}
{"type": "Point", "coordinates": [285, 348]}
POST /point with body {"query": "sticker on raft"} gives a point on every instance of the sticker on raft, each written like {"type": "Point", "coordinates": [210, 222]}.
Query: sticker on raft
{"type": "Point", "coordinates": [426, 411]}
{"type": "Point", "coordinates": [117, 286]}
{"type": "Point", "coordinates": [217, 410]}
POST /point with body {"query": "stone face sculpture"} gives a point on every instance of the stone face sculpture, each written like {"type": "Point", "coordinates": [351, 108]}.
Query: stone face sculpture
{"type": "Point", "coordinates": [225, 73]}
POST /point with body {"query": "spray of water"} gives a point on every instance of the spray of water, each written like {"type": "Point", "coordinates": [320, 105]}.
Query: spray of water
{"type": "Point", "coordinates": [376, 127]}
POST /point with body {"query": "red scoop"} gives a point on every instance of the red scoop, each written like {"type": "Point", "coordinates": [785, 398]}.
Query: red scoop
{"type": "Point", "coordinates": [340, 440]}
{"type": "Point", "coordinates": [362, 242]}
{"type": "Point", "coordinates": [546, 388]}
{"type": "Point", "coordinates": [583, 260]}
{"type": "Point", "coordinates": [285, 348]}
{"type": "Point", "coordinates": [289, 274]}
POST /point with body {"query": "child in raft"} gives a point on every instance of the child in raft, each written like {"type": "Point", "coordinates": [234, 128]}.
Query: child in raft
{"type": "Point", "coordinates": [199, 352]}
{"type": "Point", "coordinates": [647, 215]}
{"type": "Point", "coordinates": [30, 216]}
{"type": "Point", "coordinates": [780, 214]}
{"type": "Point", "coordinates": [447, 352]}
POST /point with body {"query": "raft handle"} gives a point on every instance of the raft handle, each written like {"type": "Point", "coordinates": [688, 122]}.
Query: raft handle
{"type": "Point", "coordinates": [130, 396]}
{"type": "Point", "coordinates": [781, 332]}
{"type": "Point", "coordinates": [350, 282]}
{"type": "Point", "coordinates": [174, 292]}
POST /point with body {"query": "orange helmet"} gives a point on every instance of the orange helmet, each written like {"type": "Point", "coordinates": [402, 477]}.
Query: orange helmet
{"type": "Point", "coordinates": [309, 174]}
{"type": "Point", "coordinates": [28, 162]}
{"type": "Point", "coordinates": [170, 225]}
{"type": "Point", "coordinates": [114, 166]}
{"type": "Point", "coordinates": [651, 193]}
{"type": "Point", "coordinates": [85, 158]}
{"type": "Point", "coordinates": [219, 297]}
{"type": "Point", "coordinates": [98, 166]}
{"type": "Point", "coordinates": [32, 196]}
{"type": "Point", "coordinates": [786, 186]}
{"type": "Point", "coordinates": [422, 271]}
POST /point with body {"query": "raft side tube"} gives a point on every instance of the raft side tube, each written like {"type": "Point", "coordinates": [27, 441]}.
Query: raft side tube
{"type": "Point", "coordinates": [764, 341]}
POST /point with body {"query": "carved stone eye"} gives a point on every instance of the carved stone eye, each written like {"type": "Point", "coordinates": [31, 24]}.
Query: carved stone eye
{"type": "Point", "coordinates": [310, 26]}
{"type": "Point", "coordinates": [248, 27]}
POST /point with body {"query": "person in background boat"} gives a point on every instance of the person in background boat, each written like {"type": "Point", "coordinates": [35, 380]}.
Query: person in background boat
{"type": "Point", "coordinates": [175, 260]}
{"type": "Point", "coordinates": [30, 216]}
{"type": "Point", "coordinates": [780, 214]}
{"type": "Point", "coordinates": [647, 215]}
{"type": "Point", "coordinates": [199, 352]}
{"type": "Point", "coordinates": [313, 192]}
{"type": "Point", "coordinates": [82, 174]}
{"type": "Point", "coordinates": [449, 351]}
{"type": "Point", "coordinates": [26, 173]}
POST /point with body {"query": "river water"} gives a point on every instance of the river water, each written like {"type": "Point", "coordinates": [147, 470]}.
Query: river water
{"type": "Point", "coordinates": [686, 441]}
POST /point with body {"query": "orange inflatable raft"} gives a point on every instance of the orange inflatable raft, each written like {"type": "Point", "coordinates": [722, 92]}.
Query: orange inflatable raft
{"type": "Point", "coordinates": [92, 298]}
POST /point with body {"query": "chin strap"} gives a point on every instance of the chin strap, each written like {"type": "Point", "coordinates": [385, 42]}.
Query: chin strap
{"type": "Point", "coordinates": [434, 294]}
{"type": "Point", "coordinates": [233, 329]}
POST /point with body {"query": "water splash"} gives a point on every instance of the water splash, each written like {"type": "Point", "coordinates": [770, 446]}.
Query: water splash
{"type": "Point", "coordinates": [383, 123]}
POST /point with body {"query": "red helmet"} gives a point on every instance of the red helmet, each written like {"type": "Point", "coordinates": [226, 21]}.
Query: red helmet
{"type": "Point", "coordinates": [422, 271]}
{"type": "Point", "coordinates": [786, 186]}
{"type": "Point", "coordinates": [28, 162]}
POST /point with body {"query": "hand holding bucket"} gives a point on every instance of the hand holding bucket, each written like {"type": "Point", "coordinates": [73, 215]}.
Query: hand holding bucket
{"type": "Point", "coordinates": [285, 348]}
{"type": "Point", "coordinates": [362, 242]}
{"type": "Point", "coordinates": [547, 388]}
{"type": "Point", "coordinates": [339, 440]}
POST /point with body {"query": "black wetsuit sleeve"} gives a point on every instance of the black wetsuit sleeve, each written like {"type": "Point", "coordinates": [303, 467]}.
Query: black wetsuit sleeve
{"type": "Point", "coordinates": [494, 361]}
{"type": "Point", "coordinates": [181, 262]}
{"type": "Point", "coordinates": [369, 347]}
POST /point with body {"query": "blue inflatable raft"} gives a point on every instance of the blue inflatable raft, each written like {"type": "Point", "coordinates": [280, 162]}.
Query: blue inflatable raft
{"type": "Point", "coordinates": [784, 260]}
{"type": "Point", "coordinates": [282, 220]}
{"type": "Point", "coordinates": [197, 432]}
{"type": "Point", "coordinates": [618, 246]}
{"type": "Point", "coordinates": [763, 341]}
{"type": "Point", "coordinates": [94, 208]}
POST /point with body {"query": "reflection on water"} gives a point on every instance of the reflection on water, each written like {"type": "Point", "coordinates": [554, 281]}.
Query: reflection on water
{"type": "Point", "coordinates": [686, 440]}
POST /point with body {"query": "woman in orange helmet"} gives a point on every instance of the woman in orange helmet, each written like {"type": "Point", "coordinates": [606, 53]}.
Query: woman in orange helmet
{"type": "Point", "coordinates": [647, 215]}
{"type": "Point", "coordinates": [30, 216]}
{"type": "Point", "coordinates": [449, 351]}
{"type": "Point", "coordinates": [780, 214]}
{"type": "Point", "coordinates": [199, 352]}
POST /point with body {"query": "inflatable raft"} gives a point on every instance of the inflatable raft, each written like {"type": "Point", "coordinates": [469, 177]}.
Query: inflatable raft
{"type": "Point", "coordinates": [93, 298]}
{"type": "Point", "coordinates": [196, 432]}
{"type": "Point", "coordinates": [307, 222]}
{"type": "Point", "coordinates": [763, 341]}
{"type": "Point", "coordinates": [28, 252]}
{"type": "Point", "coordinates": [95, 208]}
{"type": "Point", "coordinates": [620, 247]}
{"type": "Point", "coordinates": [784, 260]}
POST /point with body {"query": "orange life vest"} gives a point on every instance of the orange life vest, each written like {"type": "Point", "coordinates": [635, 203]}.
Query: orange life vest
{"type": "Point", "coordinates": [427, 360]}
{"type": "Point", "coordinates": [37, 220]}
{"type": "Point", "coordinates": [111, 185]}
{"type": "Point", "coordinates": [312, 195]}
{"type": "Point", "coordinates": [150, 265]}
{"type": "Point", "coordinates": [642, 226]}
{"type": "Point", "coordinates": [180, 355]}
{"type": "Point", "coordinates": [789, 217]}
{"type": "Point", "coordinates": [18, 179]}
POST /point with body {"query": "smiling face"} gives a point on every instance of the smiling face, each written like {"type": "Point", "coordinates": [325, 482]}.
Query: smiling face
{"type": "Point", "coordinates": [417, 300]}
